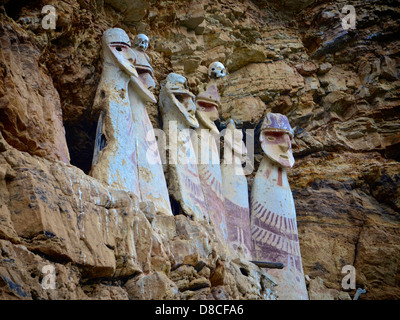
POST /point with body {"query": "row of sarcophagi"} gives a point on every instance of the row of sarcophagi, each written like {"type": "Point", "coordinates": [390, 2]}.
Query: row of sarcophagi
{"type": "Point", "coordinates": [127, 157]}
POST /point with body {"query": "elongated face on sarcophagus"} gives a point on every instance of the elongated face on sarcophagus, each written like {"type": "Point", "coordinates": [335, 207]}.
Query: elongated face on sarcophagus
{"type": "Point", "coordinates": [208, 103]}
{"type": "Point", "coordinates": [118, 43]}
{"type": "Point", "coordinates": [181, 99]}
{"type": "Point", "coordinates": [276, 139]}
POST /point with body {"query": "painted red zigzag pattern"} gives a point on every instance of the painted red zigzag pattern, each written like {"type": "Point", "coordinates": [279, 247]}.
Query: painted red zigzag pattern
{"type": "Point", "coordinates": [279, 224]}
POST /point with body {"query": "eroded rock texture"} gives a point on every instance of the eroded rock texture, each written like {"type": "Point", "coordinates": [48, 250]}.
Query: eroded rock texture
{"type": "Point", "coordinates": [104, 244]}
{"type": "Point", "coordinates": [339, 89]}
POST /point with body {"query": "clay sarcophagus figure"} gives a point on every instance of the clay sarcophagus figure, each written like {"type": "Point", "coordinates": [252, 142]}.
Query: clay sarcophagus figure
{"type": "Point", "coordinates": [126, 154]}
{"type": "Point", "coordinates": [208, 158]}
{"type": "Point", "coordinates": [273, 215]}
{"type": "Point", "coordinates": [178, 113]}
{"type": "Point", "coordinates": [236, 192]}
{"type": "Point", "coordinates": [142, 64]}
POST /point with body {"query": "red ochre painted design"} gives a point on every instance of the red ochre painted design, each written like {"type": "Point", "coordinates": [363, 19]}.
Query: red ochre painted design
{"type": "Point", "coordinates": [150, 150]}
{"type": "Point", "coordinates": [281, 243]}
{"type": "Point", "coordinates": [194, 187]}
{"type": "Point", "coordinates": [212, 189]}
{"type": "Point", "coordinates": [133, 156]}
{"type": "Point", "coordinates": [211, 181]}
{"type": "Point", "coordinates": [238, 224]}
{"type": "Point", "coordinates": [275, 237]}
{"type": "Point", "coordinates": [280, 177]}
{"type": "Point", "coordinates": [216, 212]}
{"type": "Point", "coordinates": [279, 224]}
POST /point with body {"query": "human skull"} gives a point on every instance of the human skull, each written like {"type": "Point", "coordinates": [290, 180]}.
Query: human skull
{"type": "Point", "coordinates": [141, 41]}
{"type": "Point", "coordinates": [216, 70]}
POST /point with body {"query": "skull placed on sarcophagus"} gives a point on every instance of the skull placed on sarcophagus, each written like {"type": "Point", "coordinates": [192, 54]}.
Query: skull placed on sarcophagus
{"type": "Point", "coordinates": [216, 70]}
{"type": "Point", "coordinates": [141, 41]}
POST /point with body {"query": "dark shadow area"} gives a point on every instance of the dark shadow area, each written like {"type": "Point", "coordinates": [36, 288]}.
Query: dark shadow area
{"type": "Point", "coordinates": [393, 152]}
{"type": "Point", "coordinates": [13, 7]}
{"type": "Point", "coordinates": [80, 140]}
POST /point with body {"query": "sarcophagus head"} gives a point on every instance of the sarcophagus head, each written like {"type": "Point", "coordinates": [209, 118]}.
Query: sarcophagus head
{"type": "Point", "coordinates": [276, 139]}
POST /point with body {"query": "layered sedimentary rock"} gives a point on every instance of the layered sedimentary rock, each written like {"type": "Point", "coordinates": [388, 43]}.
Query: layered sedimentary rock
{"type": "Point", "coordinates": [53, 215]}
{"type": "Point", "coordinates": [355, 220]}
{"type": "Point", "coordinates": [339, 89]}
{"type": "Point", "coordinates": [30, 109]}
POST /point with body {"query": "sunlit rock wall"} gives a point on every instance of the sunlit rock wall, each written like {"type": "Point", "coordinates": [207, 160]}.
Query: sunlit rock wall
{"type": "Point", "coordinates": [339, 89]}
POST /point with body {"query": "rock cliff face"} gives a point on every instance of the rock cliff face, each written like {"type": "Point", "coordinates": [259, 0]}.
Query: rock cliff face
{"type": "Point", "coordinates": [339, 89]}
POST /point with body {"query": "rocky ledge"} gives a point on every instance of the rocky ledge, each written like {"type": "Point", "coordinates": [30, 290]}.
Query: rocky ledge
{"type": "Point", "coordinates": [339, 89]}
{"type": "Point", "coordinates": [104, 244]}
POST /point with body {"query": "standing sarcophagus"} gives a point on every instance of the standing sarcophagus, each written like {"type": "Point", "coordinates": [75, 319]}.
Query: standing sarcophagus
{"type": "Point", "coordinates": [178, 112]}
{"type": "Point", "coordinates": [236, 192]}
{"type": "Point", "coordinates": [126, 155]}
{"type": "Point", "coordinates": [208, 158]}
{"type": "Point", "coordinates": [273, 214]}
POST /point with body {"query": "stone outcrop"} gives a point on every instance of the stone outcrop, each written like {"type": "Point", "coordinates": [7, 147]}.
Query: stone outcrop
{"type": "Point", "coordinates": [339, 89]}
{"type": "Point", "coordinates": [352, 219]}
{"type": "Point", "coordinates": [104, 244]}
{"type": "Point", "coordinates": [30, 109]}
